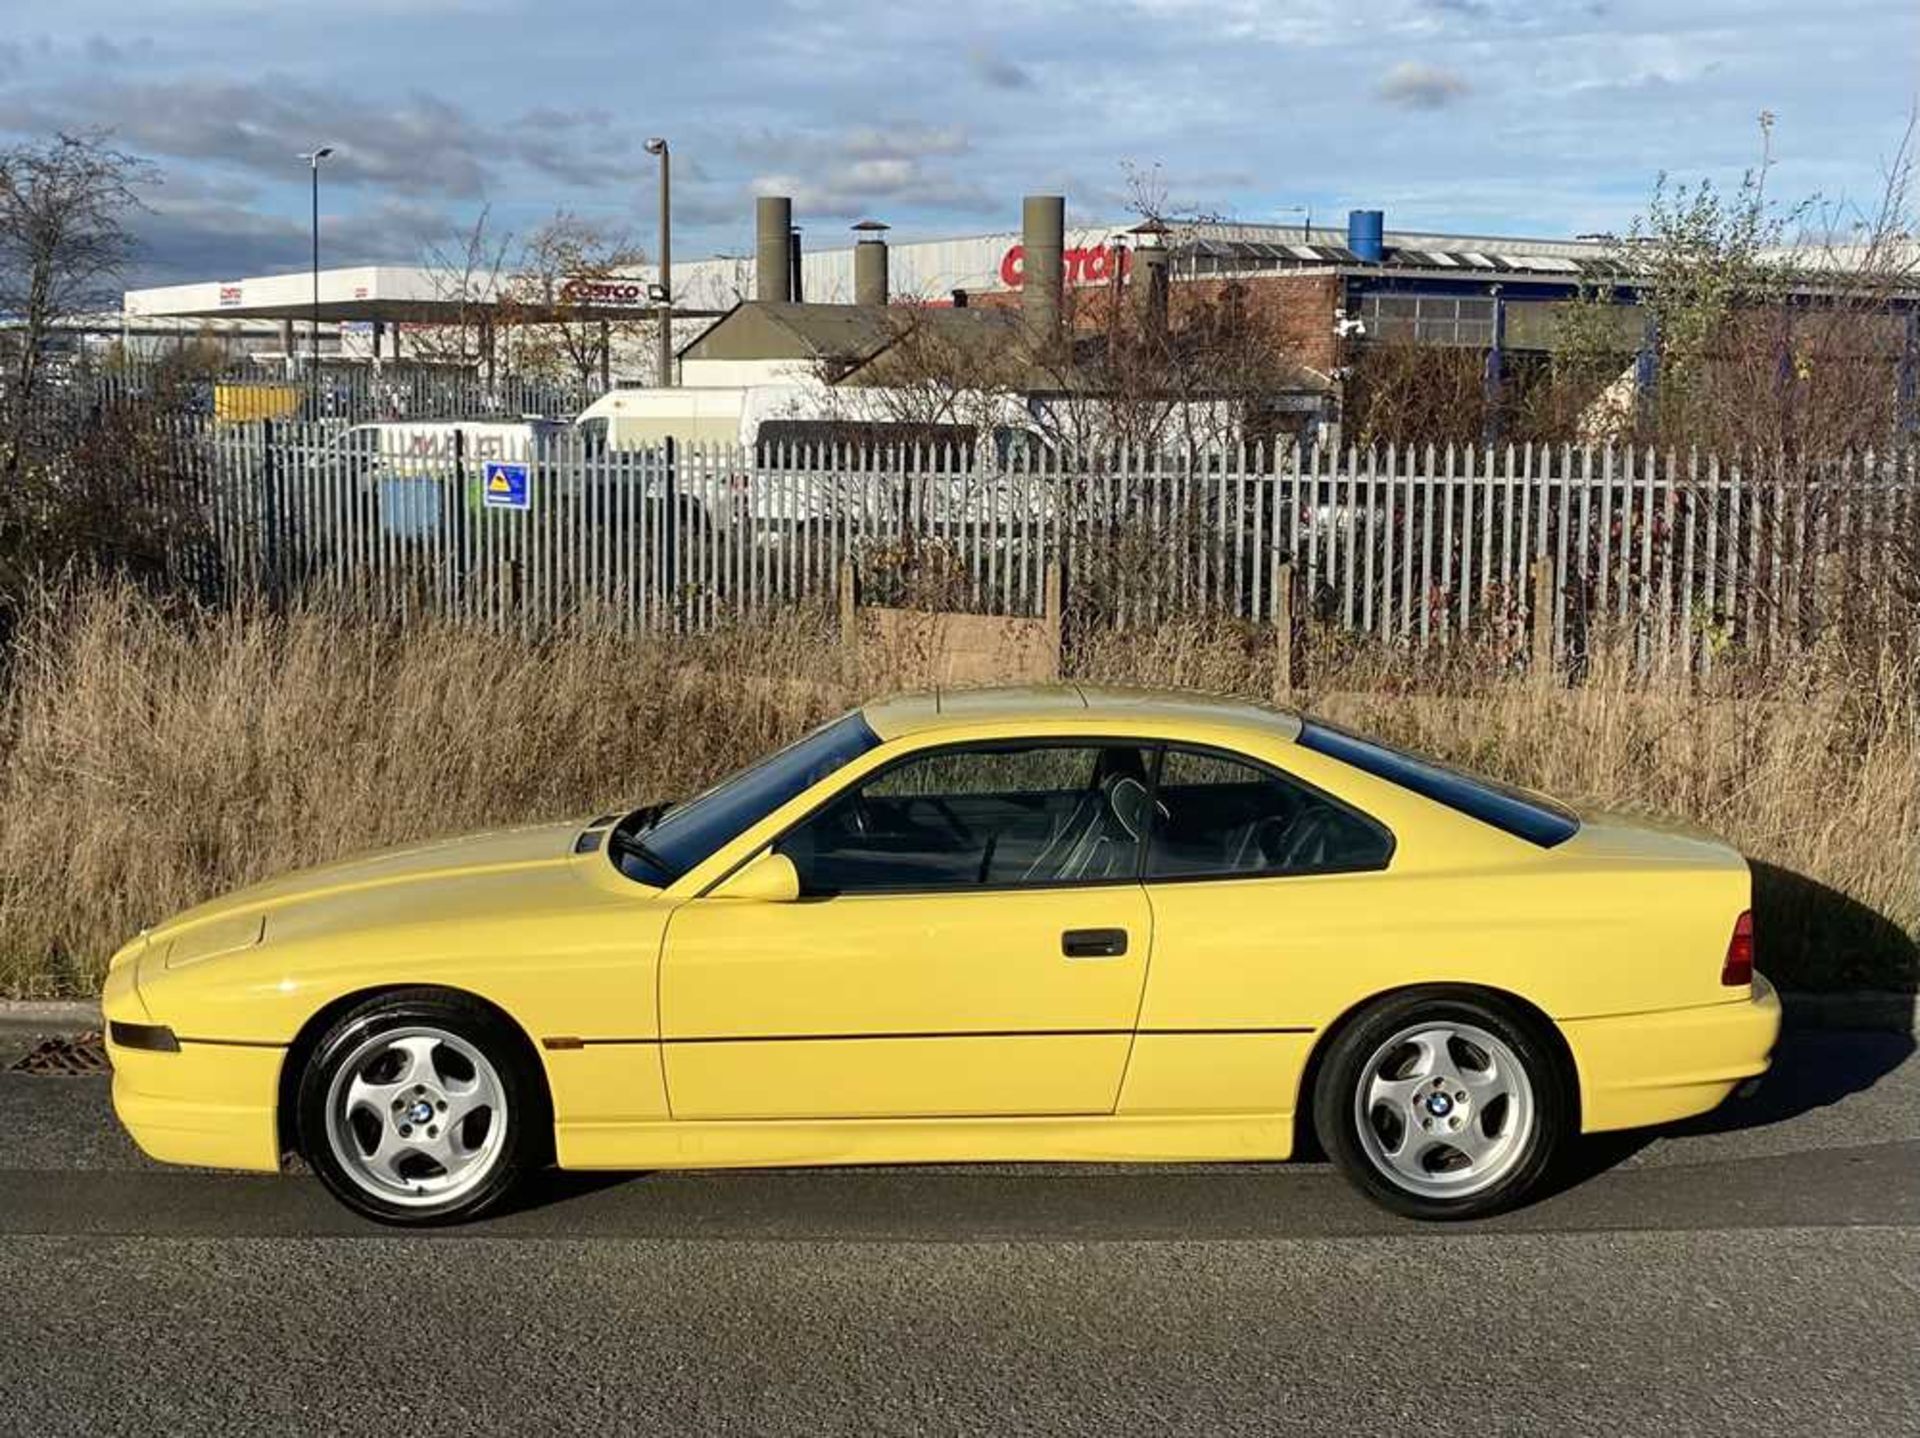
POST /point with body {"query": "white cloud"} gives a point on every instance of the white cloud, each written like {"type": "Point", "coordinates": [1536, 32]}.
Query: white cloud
{"type": "Point", "coordinates": [866, 168]}
{"type": "Point", "coordinates": [938, 119]}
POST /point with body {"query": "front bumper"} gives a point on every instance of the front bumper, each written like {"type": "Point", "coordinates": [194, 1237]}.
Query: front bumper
{"type": "Point", "coordinates": [213, 1105]}
{"type": "Point", "coordinates": [1640, 1069]}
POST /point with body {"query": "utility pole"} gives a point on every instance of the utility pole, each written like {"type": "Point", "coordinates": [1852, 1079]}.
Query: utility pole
{"type": "Point", "coordinates": [663, 304]}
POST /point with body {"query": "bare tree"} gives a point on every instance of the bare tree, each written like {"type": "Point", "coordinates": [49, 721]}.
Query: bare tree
{"type": "Point", "coordinates": [1399, 391]}
{"type": "Point", "coordinates": [926, 369]}
{"type": "Point", "coordinates": [571, 272]}
{"type": "Point", "coordinates": [64, 239]}
{"type": "Point", "coordinates": [1766, 329]}
{"type": "Point", "coordinates": [1201, 366]}
{"type": "Point", "coordinates": [1730, 323]}
{"type": "Point", "coordinates": [466, 270]}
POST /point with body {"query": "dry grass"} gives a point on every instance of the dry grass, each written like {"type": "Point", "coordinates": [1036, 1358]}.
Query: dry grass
{"type": "Point", "coordinates": [153, 758]}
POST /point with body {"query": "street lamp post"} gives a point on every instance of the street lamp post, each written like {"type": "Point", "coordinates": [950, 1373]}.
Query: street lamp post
{"type": "Point", "coordinates": [663, 307]}
{"type": "Point", "coordinates": [313, 160]}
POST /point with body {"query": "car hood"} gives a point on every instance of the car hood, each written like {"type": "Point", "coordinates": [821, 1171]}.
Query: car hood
{"type": "Point", "coordinates": [511, 868]}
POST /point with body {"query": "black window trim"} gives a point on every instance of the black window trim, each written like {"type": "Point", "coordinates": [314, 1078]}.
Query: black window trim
{"type": "Point", "coordinates": [1043, 741]}
{"type": "Point", "coordinates": [1265, 875]}
{"type": "Point", "coordinates": [1157, 751]}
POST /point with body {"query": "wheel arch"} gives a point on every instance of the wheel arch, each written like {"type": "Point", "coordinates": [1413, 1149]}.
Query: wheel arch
{"type": "Point", "coordinates": [286, 1106]}
{"type": "Point", "coordinates": [1536, 1018]}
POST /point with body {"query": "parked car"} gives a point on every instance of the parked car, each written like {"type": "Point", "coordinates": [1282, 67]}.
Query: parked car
{"type": "Point", "coordinates": [1024, 924]}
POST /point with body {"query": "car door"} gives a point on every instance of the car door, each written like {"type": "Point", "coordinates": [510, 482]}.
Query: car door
{"type": "Point", "coordinates": [971, 940]}
{"type": "Point", "coordinates": [1265, 890]}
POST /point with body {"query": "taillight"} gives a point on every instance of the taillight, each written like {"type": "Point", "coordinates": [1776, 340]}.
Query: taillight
{"type": "Point", "coordinates": [1737, 971]}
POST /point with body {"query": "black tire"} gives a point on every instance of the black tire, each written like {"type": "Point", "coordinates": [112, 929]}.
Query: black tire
{"type": "Point", "coordinates": [523, 1113]}
{"type": "Point", "coordinates": [1534, 1146]}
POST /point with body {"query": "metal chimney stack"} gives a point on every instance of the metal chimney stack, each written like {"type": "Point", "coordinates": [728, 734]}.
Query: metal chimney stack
{"type": "Point", "coordinates": [772, 273]}
{"type": "Point", "coordinates": [1151, 262]}
{"type": "Point", "coordinates": [870, 263]}
{"type": "Point", "coordinates": [1043, 238]}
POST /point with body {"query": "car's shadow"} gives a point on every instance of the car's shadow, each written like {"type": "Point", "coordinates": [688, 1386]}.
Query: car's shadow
{"type": "Point", "coordinates": [1810, 937]}
{"type": "Point", "coordinates": [1812, 1070]}
{"type": "Point", "coordinates": [554, 1186]}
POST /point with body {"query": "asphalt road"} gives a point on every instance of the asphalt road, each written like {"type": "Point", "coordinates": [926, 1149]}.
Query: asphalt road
{"type": "Point", "coordinates": [1755, 1272]}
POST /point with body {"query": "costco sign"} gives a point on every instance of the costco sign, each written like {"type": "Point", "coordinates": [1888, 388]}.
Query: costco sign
{"type": "Point", "coordinates": [1084, 265]}
{"type": "Point", "coordinates": [582, 291]}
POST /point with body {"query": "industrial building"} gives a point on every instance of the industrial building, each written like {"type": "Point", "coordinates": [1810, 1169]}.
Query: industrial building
{"type": "Point", "coordinates": [1319, 292]}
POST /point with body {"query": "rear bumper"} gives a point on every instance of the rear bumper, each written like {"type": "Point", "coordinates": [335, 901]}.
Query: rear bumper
{"type": "Point", "coordinates": [211, 1105]}
{"type": "Point", "coordinates": [1639, 1069]}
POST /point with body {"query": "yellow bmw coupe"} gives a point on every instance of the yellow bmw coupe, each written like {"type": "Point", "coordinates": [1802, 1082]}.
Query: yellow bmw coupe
{"type": "Point", "coordinates": [1022, 924]}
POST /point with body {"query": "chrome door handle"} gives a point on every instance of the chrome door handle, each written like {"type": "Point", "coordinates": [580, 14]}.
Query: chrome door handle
{"type": "Point", "coordinates": [1094, 943]}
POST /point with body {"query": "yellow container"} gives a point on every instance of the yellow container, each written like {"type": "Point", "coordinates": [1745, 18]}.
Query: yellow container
{"type": "Point", "coordinates": [238, 403]}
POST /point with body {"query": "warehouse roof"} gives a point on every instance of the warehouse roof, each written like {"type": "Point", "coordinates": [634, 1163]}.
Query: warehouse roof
{"type": "Point", "coordinates": [870, 344]}
{"type": "Point", "coordinates": [408, 294]}
{"type": "Point", "coordinates": [841, 334]}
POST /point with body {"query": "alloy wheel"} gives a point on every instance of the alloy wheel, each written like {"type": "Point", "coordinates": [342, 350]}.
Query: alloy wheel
{"type": "Point", "coordinates": [1444, 1109]}
{"type": "Point", "coordinates": [416, 1116]}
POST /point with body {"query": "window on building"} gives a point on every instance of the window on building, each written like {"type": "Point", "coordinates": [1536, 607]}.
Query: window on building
{"type": "Point", "coordinates": [1429, 319]}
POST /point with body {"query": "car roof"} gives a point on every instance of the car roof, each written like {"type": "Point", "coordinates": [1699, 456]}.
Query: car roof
{"type": "Point", "coordinates": [936, 709]}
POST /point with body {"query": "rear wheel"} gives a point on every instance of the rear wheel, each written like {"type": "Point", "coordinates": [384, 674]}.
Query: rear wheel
{"type": "Point", "coordinates": [420, 1108]}
{"type": "Point", "coordinates": [1442, 1106]}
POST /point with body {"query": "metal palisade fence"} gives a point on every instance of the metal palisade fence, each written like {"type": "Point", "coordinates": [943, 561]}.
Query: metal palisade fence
{"type": "Point", "coordinates": [532, 526]}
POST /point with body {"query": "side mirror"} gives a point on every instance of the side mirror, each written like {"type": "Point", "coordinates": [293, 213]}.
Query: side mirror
{"type": "Point", "coordinates": [769, 879]}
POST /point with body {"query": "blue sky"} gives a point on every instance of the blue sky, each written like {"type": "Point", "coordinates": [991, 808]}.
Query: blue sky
{"type": "Point", "coordinates": [1517, 116]}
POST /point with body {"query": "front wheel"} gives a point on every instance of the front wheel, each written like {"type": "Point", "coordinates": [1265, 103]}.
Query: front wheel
{"type": "Point", "coordinates": [1441, 1106]}
{"type": "Point", "coordinates": [419, 1108]}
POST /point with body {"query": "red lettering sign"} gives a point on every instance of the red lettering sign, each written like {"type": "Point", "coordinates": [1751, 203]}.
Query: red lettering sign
{"type": "Point", "coordinates": [229, 294]}
{"type": "Point", "coordinates": [603, 292]}
{"type": "Point", "coordinates": [1083, 265]}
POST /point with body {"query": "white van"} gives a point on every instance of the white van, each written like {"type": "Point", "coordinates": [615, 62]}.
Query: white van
{"type": "Point", "coordinates": [405, 473]}
{"type": "Point", "coordinates": [625, 419]}
{"type": "Point", "coordinates": [726, 434]}
{"type": "Point", "coordinates": [417, 446]}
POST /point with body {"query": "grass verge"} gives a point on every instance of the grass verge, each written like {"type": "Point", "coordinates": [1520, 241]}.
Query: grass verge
{"type": "Point", "coordinates": [152, 757]}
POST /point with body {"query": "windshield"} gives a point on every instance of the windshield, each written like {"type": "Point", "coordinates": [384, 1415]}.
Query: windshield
{"type": "Point", "coordinates": [661, 852]}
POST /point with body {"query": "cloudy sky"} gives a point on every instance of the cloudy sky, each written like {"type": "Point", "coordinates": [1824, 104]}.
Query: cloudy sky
{"type": "Point", "coordinates": [1517, 116]}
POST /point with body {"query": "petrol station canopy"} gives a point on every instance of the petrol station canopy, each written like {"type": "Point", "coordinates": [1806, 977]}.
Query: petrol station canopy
{"type": "Point", "coordinates": [395, 295]}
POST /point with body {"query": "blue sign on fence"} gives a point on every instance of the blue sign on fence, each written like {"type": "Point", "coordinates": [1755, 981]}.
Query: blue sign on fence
{"type": "Point", "coordinates": [504, 486]}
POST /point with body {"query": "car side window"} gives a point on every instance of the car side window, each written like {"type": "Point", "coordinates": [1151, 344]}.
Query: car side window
{"type": "Point", "coordinates": [1216, 815]}
{"type": "Point", "coordinates": [980, 816]}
